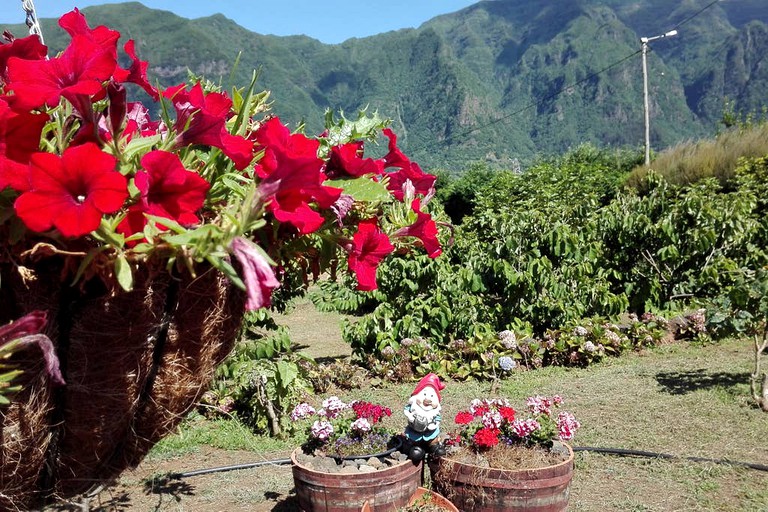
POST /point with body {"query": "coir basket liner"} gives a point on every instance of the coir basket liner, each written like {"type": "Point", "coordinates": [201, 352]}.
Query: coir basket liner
{"type": "Point", "coordinates": [134, 363]}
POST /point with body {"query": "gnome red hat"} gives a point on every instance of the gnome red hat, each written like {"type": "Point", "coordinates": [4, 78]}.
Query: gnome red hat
{"type": "Point", "coordinates": [432, 380]}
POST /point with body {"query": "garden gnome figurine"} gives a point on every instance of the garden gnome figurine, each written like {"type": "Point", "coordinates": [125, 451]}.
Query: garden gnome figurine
{"type": "Point", "coordinates": [423, 413]}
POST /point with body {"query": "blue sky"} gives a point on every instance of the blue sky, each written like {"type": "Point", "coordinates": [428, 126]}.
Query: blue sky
{"type": "Point", "coordinates": [330, 21]}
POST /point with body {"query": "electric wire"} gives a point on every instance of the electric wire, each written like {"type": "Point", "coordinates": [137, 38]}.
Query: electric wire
{"type": "Point", "coordinates": [689, 18]}
{"type": "Point", "coordinates": [461, 135]}
{"type": "Point", "coordinates": [542, 100]}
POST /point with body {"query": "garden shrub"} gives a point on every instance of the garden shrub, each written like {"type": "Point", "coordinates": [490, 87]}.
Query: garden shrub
{"type": "Point", "coordinates": [559, 247]}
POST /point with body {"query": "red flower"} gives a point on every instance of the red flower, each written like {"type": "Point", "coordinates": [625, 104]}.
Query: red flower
{"type": "Point", "coordinates": [486, 438]}
{"type": "Point", "coordinates": [463, 418]}
{"type": "Point", "coordinates": [19, 138]}
{"type": "Point", "coordinates": [507, 413]}
{"type": "Point", "coordinates": [369, 247]}
{"type": "Point", "coordinates": [80, 70]}
{"type": "Point", "coordinates": [28, 48]}
{"type": "Point", "coordinates": [424, 229]}
{"type": "Point", "coordinates": [292, 176]}
{"type": "Point", "coordinates": [137, 73]}
{"type": "Point", "coordinates": [423, 183]}
{"type": "Point", "coordinates": [75, 24]}
{"type": "Point", "coordinates": [370, 411]}
{"type": "Point", "coordinates": [167, 190]}
{"type": "Point", "coordinates": [201, 119]}
{"type": "Point", "coordinates": [71, 192]}
{"type": "Point", "coordinates": [346, 160]}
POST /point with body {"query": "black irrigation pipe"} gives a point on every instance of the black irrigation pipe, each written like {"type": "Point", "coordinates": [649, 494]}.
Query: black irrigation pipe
{"type": "Point", "coordinates": [609, 451]}
{"type": "Point", "coordinates": [639, 453]}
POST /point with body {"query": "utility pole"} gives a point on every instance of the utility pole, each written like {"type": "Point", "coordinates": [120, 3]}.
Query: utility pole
{"type": "Point", "coordinates": [644, 41]}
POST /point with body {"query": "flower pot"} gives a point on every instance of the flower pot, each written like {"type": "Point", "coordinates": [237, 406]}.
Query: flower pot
{"type": "Point", "coordinates": [134, 364]}
{"type": "Point", "coordinates": [421, 496]}
{"type": "Point", "coordinates": [384, 490]}
{"type": "Point", "coordinates": [482, 489]}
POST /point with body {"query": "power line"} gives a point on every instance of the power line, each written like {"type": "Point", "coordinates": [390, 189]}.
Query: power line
{"type": "Point", "coordinates": [689, 18]}
{"type": "Point", "coordinates": [542, 100]}
{"type": "Point", "coordinates": [457, 138]}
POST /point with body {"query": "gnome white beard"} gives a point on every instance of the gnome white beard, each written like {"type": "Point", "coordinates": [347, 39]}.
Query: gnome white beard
{"type": "Point", "coordinates": [422, 416]}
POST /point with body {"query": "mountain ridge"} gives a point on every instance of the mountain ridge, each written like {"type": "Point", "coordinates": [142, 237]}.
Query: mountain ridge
{"type": "Point", "coordinates": [499, 81]}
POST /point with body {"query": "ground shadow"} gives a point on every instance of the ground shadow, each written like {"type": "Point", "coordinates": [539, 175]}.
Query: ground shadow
{"type": "Point", "coordinates": [284, 504]}
{"type": "Point", "coordinates": [116, 502]}
{"type": "Point", "coordinates": [166, 486]}
{"type": "Point", "coordinates": [681, 383]}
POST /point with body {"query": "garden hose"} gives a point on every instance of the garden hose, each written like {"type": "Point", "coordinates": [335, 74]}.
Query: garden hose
{"type": "Point", "coordinates": [639, 453]}
{"type": "Point", "coordinates": [608, 451]}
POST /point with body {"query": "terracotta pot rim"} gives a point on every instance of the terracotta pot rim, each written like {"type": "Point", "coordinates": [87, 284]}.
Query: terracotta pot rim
{"type": "Point", "coordinates": [566, 462]}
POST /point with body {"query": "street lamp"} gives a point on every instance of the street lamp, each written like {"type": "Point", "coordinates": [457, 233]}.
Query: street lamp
{"type": "Point", "coordinates": [645, 41]}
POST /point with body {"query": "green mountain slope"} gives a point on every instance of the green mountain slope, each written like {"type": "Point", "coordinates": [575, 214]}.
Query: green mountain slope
{"type": "Point", "coordinates": [501, 80]}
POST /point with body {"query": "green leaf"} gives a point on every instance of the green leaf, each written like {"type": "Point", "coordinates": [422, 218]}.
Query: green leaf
{"type": "Point", "coordinates": [123, 273]}
{"type": "Point", "coordinates": [288, 372]}
{"type": "Point", "coordinates": [361, 189]}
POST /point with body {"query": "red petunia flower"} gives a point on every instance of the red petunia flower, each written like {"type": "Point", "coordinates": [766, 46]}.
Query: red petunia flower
{"type": "Point", "coordinates": [463, 418]}
{"type": "Point", "coordinates": [422, 182]}
{"type": "Point", "coordinates": [201, 119]}
{"type": "Point", "coordinates": [486, 438]}
{"type": "Point", "coordinates": [292, 176]}
{"type": "Point", "coordinates": [19, 139]}
{"type": "Point", "coordinates": [167, 190]}
{"type": "Point", "coordinates": [80, 70]}
{"type": "Point", "coordinates": [27, 48]}
{"type": "Point", "coordinates": [424, 229]}
{"type": "Point", "coordinates": [369, 247]}
{"type": "Point", "coordinates": [137, 73]}
{"type": "Point", "coordinates": [71, 192]}
{"type": "Point", "coordinates": [347, 160]}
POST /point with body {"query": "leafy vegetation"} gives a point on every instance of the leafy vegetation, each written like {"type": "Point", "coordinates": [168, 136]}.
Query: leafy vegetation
{"type": "Point", "coordinates": [559, 256]}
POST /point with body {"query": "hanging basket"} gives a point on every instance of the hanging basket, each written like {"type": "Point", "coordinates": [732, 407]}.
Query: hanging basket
{"type": "Point", "coordinates": [134, 364]}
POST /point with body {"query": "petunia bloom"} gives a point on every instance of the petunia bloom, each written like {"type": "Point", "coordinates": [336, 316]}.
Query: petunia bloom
{"type": "Point", "coordinates": [19, 139]}
{"type": "Point", "coordinates": [423, 183]}
{"type": "Point", "coordinates": [292, 176]}
{"type": "Point", "coordinates": [201, 119]}
{"type": "Point", "coordinates": [347, 160]}
{"type": "Point", "coordinates": [71, 192]}
{"type": "Point", "coordinates": [167, 190]}
{"type": "Point", "coordinates": [259, 278]}
{"type": "Point", "coordinates": [369, 247]}
{"type": "Point", "coordinates": [80, 70]}
{"type": "Point", "coordinates": [27, 48]}
{"type": "Point", "coordinates": [424, 229]}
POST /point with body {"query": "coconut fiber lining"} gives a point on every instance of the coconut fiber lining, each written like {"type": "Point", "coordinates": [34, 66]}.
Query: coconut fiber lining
{"type": "Point", "coordinates": [134, 364]}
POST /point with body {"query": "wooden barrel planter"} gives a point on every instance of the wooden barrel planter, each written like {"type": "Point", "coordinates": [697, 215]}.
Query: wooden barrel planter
{"type": "Point", "coordinates": [134, 364]}
{"type": "Point", "coordinates": [481, 489]}
{"type": "Point", "coordinates": [384, 490]}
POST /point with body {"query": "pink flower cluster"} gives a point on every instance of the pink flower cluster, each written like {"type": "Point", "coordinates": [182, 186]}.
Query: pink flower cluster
{"type": "Point", "coordinates": [567, 425]}
{"type": "Point", "coordinates": [489, 422]}
{"type": "Point", "coordinates": [337, 418]}
{"type": "Point", "coordinates": [322, 429]}
{"type": "Point", "coordinates": [542, 404]}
